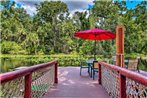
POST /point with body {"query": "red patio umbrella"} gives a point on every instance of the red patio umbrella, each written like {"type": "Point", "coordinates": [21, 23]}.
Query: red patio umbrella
{"type": "Point", "coordinates": [95, 34]}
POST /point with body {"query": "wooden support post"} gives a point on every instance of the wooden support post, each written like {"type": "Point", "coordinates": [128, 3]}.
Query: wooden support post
{"type": "Point", "coordinates": [28, 81]}
{"type": "Point", "coordinates": [122, 83]}
{"type": "Point", "coordinates": [99, 74]}
{"type": "Point", "coordinates": [120, 45]}
{"type": "Point", "coordinates": [56, 73]}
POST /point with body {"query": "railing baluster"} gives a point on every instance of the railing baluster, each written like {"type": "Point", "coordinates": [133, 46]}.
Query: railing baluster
{"type": "Point", "coordinates": [122, 83]}
{"type": "Point", "coordinates": [28, 81]}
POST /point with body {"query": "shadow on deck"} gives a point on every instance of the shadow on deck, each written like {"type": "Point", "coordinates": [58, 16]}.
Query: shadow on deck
{"type": "Point", "coordinates": [72, 85]}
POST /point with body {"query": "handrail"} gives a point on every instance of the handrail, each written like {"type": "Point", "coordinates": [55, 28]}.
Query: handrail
{"type": "Point", "coordinates": [23, 72]}
{"type": "Point", "coordinates": [125, 72]}
{"type": "Point", "coordinates": [122, 74]}
{"type": "Point", "coordinates": [27, 73]}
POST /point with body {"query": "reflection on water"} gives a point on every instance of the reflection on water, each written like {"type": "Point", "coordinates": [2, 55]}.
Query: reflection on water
{"type": "Point", "coordinates": [9, 64]}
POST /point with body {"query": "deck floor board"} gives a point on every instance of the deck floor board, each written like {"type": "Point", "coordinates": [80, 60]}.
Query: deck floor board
{"type": "Point", "coordinates": [72, 85]}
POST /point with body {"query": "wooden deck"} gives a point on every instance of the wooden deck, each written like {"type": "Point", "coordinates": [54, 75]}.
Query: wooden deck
{"type": "Point", "coordinates": [72, 85]}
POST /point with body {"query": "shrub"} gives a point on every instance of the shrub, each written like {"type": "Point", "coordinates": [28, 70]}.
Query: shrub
{"type": "Point", "coordinates": [8, 47]}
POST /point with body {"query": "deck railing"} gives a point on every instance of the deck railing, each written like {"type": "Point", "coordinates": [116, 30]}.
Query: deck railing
{"type": "Point", "coordinates": [122, 83]}
{"type": "Point", "coordinates": [31, 82]}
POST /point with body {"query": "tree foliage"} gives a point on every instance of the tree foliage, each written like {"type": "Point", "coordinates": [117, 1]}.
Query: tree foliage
{"type": "Point", "coordinates": [51, 30]}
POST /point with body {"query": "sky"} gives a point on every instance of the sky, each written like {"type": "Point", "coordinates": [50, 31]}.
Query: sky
{"type": "Point", "coordinates": [73, 5]}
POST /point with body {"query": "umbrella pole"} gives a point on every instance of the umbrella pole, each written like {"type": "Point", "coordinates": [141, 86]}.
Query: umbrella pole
{"type": "Point", "coordinates": [95, 49]}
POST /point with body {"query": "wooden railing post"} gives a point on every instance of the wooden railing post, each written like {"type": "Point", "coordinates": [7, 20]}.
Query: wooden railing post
{"type": "Point", "coordinates": [122, 83]}
{"type": "Point", "coordinates": [56, 73]}
{"type": "Point", "coordinates": [28, 81]}
{"type": "Point", "coordinates": [120, 45]}
{"type": "Point", "coordinates": [99, 74]}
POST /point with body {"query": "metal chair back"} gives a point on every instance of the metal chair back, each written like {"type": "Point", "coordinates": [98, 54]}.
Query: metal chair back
{"type": "Point", "coordinates": [133, 64]}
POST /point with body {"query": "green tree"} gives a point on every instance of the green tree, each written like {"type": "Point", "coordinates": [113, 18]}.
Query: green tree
{"type": "Point", "coordinates": [48, 13]}
{"type": "Point", "coordinates": [31, 43]}
{"type": "Point", "coordinates": [52, 30]}
{"type": "Point", "coordinates": [10, 47]}
{"type": "Point", "coordinates": [135, 23]}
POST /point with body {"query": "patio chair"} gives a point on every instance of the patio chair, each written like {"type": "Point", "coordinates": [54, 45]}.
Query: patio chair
{"type": "Point", "coordinates": [86, 64]}
{"type": "Point", "coordinates": [133, 64]}
{"type": "Point", "coordinates": [90, 64]}
{"type": "Point", "coordinates": [83, 65]}
{"type": "Point", "coordinates": [94, 69]}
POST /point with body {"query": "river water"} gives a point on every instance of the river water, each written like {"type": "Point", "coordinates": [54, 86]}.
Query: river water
{"type": "Point", "coordinates": [10, 63]}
